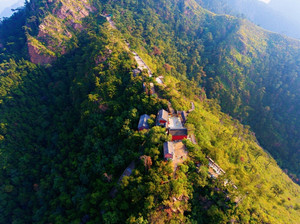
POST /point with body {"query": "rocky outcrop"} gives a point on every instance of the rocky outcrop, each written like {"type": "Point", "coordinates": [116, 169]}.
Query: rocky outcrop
{"type": "Point", "coordinates": [57, 28]}
{"type": "Point", "coordinates": [37, 57]}
{"type": "Point", "coordinates": [73, 9]}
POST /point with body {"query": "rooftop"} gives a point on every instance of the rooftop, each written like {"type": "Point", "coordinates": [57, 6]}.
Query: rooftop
{"type": "Point", "coordinates": [168, 148]}
{"type": "Point", "coordinates": [183, 116]}
{"type": "Point", "coordinates": [177, 132]}
{"type": "Point", "coordinates": [163, 114]}
{"type": "Point", "coordinates": [143, 123]}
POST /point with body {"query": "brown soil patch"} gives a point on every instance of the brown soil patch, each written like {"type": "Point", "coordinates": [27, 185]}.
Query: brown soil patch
{"type": "Point", "coordinates": [180, 154]}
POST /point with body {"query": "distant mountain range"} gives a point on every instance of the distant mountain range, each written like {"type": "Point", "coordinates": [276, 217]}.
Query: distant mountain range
{"type": "Point", "coordinates": [288, 8]}
{"type": "Point", "coordinates": [278, 16]}
{"type": "Point", "coordinates": [7, 12]}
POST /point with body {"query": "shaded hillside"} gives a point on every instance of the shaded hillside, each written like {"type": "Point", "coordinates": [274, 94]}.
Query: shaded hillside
{"type": "Point", "coordinates": [278, 16]}
{"type": "Point", "coordinates": [13, 41]}
{"type": "Point", "coordinates": [250, 71]}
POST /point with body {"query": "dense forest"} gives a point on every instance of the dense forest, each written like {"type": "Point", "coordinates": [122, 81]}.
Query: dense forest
{"type": "Point", "coordinates": [68, 128]}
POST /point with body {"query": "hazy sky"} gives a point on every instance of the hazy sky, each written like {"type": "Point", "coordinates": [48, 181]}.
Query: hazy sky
{"type": "Point", "coordinates": [266, 1]}
{"type": "Point", "coordinates": [7, 3]}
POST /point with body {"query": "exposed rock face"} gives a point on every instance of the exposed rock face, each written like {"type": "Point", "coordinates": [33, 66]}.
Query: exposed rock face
{"type": "Point", "coordinates": [36, 56]}
{"type": "Point", "coordinates": [57, 29]}
{"type": "Point", "coordinates": [71, 8]}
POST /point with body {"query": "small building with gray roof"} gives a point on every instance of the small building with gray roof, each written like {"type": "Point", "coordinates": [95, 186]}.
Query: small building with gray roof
{"type": "Point", "coordinates": [183, 116]}
{"type": "Point", "coordinates": [162, 117]}
{"type": "Point", "coordinates": [178, 134]}
{"type": "Point", "coordinates": [143, 123]}
{"type": "Point", "coordinates": [168, 150]}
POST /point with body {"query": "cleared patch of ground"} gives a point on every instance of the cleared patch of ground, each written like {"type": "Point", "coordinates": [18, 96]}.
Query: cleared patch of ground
{"type": "Point", "coordinates": [175, 122]}
{"type": "Point", "coordinates": [180, 154]}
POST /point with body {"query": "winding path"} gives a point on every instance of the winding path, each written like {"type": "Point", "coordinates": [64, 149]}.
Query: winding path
{"type": "Point", "coordinates": [141, 64]}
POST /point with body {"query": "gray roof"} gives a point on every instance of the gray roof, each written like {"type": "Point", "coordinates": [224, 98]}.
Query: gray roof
{"type": "Point", "coordinates": [143, 123]}
{"type": "Point", "coordinates": [168, 148]}
{"type": "Point", "coordinates": [180, 131]}
{"type": "Point", "coordinates": [163, 115]}
{"type": "Point", "coordinates": [184, 116]}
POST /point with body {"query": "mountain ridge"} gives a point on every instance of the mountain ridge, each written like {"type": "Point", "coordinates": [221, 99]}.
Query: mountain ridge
{"type": "Point", "coordinates": [244, 42]}
{"type": "Point", "coordinates": [69, 130]}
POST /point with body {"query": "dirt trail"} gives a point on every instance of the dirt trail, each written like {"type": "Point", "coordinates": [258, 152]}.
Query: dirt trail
{"type": "Point", "coordinates": [141, 64]}
{"type": "Point", "coordinates": [180, 154]}
{"type": "Point", "coordinates": [112, 24]}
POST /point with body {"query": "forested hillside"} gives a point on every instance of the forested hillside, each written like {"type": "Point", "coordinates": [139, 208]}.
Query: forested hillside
{"type": "Point", "coordinates": [68, 129]}
{"type": "Point", "coordinates": [253, 73]}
